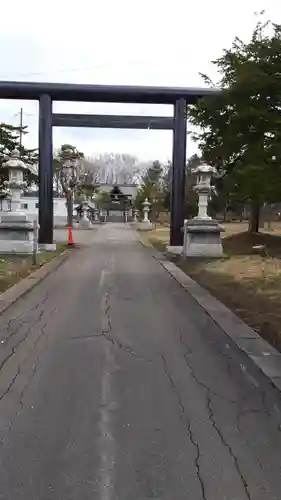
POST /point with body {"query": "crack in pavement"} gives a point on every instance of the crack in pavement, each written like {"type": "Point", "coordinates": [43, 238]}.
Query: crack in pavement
{"type": "Point", "coordinates": [106, 331]}
{"type": "Point", "coordinates": [24, 313]}
{"type": "Point", "coordinates": [7, 390]}
{"type": "Point", "coordinates": [261, 394]}
{"type": "Point", "coordinates": [5, 340]}
{"type": "Point", "coordinates": [248, 411]}
{"type": "Point", "coordinates": [42, 332]}
{"type": "Point", "coordinates": [241, 412]}
{"type": "Point", "coordinates": [33, 322]}
{"type": "Point", "coordinates": [187, 423]}
{"type": "Point", "coordinates": [30, 378]}
{"type": "Point", "coordinates": [187, 353]}
{"type": "Point", "coordinates": [263, 401]}
{"type": "Point", "coordinates": [209, 393]}
{"type": "Point", "coordinates": [124, 348]}
{"type": "Point", "coordinates": [22, 340]}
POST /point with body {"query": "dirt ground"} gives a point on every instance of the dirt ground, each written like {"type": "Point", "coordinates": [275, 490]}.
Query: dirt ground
{"type": "Point", "coordinates": [14, 267]}
{"type": "Point", "coordinates": [247, 283]}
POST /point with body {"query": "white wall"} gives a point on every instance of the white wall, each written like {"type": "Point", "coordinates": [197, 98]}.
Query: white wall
{"type": "Point", "coordinates": [29, 205]}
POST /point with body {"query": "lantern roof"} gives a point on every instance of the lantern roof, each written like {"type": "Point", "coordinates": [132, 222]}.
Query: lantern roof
{"type": "Point", "coordinates": [14, 162]}
{"type": "Point", "coordinates": [204, 168]}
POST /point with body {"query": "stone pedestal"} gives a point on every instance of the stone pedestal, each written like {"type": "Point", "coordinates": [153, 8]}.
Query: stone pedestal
{"type": "Point", "coordinates": [174, 250]}
{"type": "Point", "coordinates": [16, 234]}
{"type": "Point", "coordinates": [84, 222]}
{"type": "Point", "coordinates": [145, 226]}
{"type": "Point", "coordinates": [202, 238]}
{"type": "Point", "coordinates": [48, 247]}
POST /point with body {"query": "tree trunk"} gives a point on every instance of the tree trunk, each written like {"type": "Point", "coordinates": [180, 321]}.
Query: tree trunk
{"type": "Point", "coordinates": [69, 205]}
{"type": "Point", "coordinates": [225, 210]}
{"type": "Point", "coordinates": [254, 218]}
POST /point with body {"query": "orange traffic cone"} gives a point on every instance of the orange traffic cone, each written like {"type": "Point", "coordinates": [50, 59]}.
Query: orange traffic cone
{"type": "Point", "coordinates": [70, 237]}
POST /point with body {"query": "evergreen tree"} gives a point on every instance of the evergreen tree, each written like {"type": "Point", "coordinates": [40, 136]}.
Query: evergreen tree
{"type": "Point", "coordinates": [240, 129]}
{"type": "Point", "coordinates": [10, 140]}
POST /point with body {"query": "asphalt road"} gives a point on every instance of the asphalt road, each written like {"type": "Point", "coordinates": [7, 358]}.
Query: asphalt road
{"type": "Point", "coordinates": [115, 385]}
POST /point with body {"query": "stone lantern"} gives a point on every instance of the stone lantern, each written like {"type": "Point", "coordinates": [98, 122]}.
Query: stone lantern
{"type": "Point", "coordinates": [17, 233]}
{"type": "Point", "coordinates": [204, 189]}
{"type": "Point", "coordinates": [202, 234]}
{"type": "Point", "coordinates": [16, 168]}
{"type": "Point", "coordinates": [145, 224]}
{"type": "Point", "coordinates": [146, 206]}
{"type": "Point", "coordinates": [85, 222]}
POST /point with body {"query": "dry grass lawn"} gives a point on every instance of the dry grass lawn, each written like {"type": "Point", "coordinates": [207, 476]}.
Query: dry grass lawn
{"type": "Point", "coordinates": [14, 267]}
{"type": "Point", "coordinates": [247, 283]}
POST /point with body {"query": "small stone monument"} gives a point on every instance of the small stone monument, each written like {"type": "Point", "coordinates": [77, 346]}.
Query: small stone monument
{"type": "Point", "coordinates": [126, 215]}
{"type": "Point", "coordinates": [135, 215]}
{"type": "Point", "coordinates": [146, 206]}
{"type": "Point", "coordinates": [202, 234]}
{"type": "Point", "coordinates": [16, 230]}
{"type": "Point", "coordinates": [145, 224]}
{"type": "Point", "coordinates": [96, 215]}
{"type": "Point", "coordinates": [84, 222]}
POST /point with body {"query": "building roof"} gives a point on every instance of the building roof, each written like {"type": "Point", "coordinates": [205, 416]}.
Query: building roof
{"type": "Point", "coordinates": [126, 189]}
{"type": "Point", "coordinates": [35, 194]}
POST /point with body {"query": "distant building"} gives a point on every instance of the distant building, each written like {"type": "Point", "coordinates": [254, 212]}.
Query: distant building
{"type": "Point", "coordinates": [118, 205]}
{"type": "Point", "coordinates": [129, 190]}
{"type": "Point", "coordinates": [30, 205]}
{"type": "Point", "coordinates": [119, 202]}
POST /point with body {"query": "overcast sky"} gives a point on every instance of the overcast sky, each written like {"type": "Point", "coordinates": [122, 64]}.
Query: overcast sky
{"type": "Point", "coordinates": [147, 42]}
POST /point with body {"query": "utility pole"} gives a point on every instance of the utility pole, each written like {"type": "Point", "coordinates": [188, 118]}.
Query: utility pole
{"type": "Point", "coordinates": [20, 114]}
{"type": "Point", "coordinates": [21, 124]}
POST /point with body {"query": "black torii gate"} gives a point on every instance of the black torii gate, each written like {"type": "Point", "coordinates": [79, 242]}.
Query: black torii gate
{"type": "Point", "coordinates": [46, 93]}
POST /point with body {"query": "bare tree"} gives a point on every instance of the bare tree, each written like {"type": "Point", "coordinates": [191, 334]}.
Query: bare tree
{"type": "Point", "coordinates": [90, 170]}
{"type": "Point", "coordinates": [68, 167]}
{"type": "Point", "coordinates": [115, 168]}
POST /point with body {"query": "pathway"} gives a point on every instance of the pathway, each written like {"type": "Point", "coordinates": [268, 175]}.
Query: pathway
{"type": "Point", "coordinates": [115, 385]}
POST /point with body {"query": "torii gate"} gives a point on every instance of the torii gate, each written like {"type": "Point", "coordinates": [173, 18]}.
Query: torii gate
{"type": "Point", "coordinates": [46, 93]}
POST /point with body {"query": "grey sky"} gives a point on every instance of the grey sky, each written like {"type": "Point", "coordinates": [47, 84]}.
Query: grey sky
{"type": "Point", "coordinates": [148, 42]}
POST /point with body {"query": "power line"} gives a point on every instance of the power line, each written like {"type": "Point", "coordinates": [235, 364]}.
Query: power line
{"type": "Point", "coordinates": [88, 68]}
{"type": "Point", "coordinates": [75, 70]}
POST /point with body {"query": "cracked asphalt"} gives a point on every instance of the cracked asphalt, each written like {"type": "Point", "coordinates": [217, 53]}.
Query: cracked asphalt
{"type": "Point", "coordinates": [115, 385]}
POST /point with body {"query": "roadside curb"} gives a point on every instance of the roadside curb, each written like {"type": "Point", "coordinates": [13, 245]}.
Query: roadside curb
{"type": "Point", "coordinates": [263, 355]}
{"type": "Point", "coordinates": [19, 289]}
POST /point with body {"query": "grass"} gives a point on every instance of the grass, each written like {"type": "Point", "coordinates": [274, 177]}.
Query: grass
{"type": "Point", "coordinates": [247, 283]}
{"type": "Point", "coordinates": [13, 268]}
